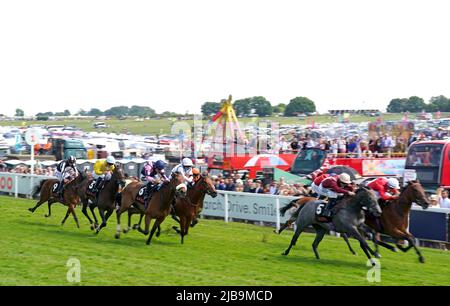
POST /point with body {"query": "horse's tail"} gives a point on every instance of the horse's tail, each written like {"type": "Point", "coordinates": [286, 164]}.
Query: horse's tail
{"type": "Point", "coordinates": [38, 188]}
{"type": "Point", "coordinates": [297, 211]}
{"type": "Point", "coordinates": [285, 208]}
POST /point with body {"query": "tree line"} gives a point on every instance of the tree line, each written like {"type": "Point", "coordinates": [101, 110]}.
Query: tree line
{"type": "Point", "coordinates": [261, 107]}
{"type": "Point", "coordinates": [416, 104]}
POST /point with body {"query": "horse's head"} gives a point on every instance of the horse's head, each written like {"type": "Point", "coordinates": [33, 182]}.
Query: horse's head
{"type": "Point", "coordinates": [118, 175]}
{"type": "Point", "coordinates": [414, 192]}
{"type": "Point", "coordinates": [207, 186]}
{"type": "Point", "coordinates": [177, 183]}
{"type": "Point", "coordinates": [366, 198]}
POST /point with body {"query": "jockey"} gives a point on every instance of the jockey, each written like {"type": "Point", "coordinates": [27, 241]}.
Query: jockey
{"type": "Point", "coordinates": [185, 168]}
{"type": "Point", "coordinates": [66, 170]}
{"type": "Point", "coordinates": [153, 173]}
{"type": "Point", "coordinates": [318, 180]}
{"type": "Point", "coordinates": [385, 189]}
{"type": "Point", "coordinates": [195, 174]}
{"type": "Point", "coordinates": [102, 171]}
{"type": "Point", "coordinates": [334, 187]}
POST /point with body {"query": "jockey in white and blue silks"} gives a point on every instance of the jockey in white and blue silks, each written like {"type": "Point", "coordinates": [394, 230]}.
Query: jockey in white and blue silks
{"type": "Point", "coordinates": [66, 170]}
{"type": "Point", "coordinates": [153, 173]}
{"type": "Point", "coordinates": [185, 169]}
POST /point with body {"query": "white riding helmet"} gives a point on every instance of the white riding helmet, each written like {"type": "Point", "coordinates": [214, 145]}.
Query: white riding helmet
{"type": "Point", "coordinates": [345, 178]}
{"type": "Point", "coordinates": [393, 183]}
{"type": "Point", "coordinates": [187, 162]}
{"type": "Point", "coordinates": [110, 160]}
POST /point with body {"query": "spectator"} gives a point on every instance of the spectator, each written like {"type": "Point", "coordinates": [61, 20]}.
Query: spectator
{"type": "Point", "coordinates": [258, 188]}
{"type": "Point", "coordinates": [434, 201]}
{"type": "Point", "coordinates": [249, 186]}
{"type": "Point", "coordinates": [229, 185]}
{"type": "Point", "coordinates": [444, 201]}
{"type": "Point", "coordinates": [273, 188]}
{"type": "Point", "coordinates": [295, 145]}
{"type": "Point", "coordinates": [387, 144]}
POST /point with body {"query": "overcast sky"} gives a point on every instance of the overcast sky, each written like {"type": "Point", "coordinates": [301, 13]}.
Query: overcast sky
{"type": "Point", "coordinates": [175, 55]}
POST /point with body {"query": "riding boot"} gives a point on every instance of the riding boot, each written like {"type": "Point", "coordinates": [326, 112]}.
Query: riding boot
{"type": "Point", "coordinates": [328, 207]}
{"type": "Point", "coordinates": [98, 185]}
{"type": "Point", "coordinates": [60, 189]}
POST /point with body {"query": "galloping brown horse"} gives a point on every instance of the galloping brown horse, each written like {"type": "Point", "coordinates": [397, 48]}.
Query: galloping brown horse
{"type": "Point", "coordinates": [159, 205]}
{"type": "Point", "coordinates": [130, 205]}
{"type": "Point", "coordinates": [395, 218]}
{"type": "Point", "coordinates": [70, 196]}
{"type": "Point", "coordinates": [187, 208]}
{"type": "Point", "coordinates": [106, 200]}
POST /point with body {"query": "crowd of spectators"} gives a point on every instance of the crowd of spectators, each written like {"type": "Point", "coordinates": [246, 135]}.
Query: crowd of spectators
{"type": "Point", "coordinates": [355, 145]}
{"type": "Point", "coordinates": [239, 183]}
{"type": "Point", "coordinates": [24, 169]}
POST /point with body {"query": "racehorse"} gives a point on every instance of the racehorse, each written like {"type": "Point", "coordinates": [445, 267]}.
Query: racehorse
{"type": "Point", "coordinates": [395, 218]}
{"type": "Point", "coordinates": [187, 208]}
{"type": "Point", "coordinates": [348, 216]}
{"type": "Point", "coordinates": [70, 196]}
{"type": "Point", "coordinates": [130, 204]}
{"type": "Point", "coordinates": [297, 204]}
{"type": "Point", "coordinates": [159, 205]}
{"type": "Point", "coordinates": [107, 196]}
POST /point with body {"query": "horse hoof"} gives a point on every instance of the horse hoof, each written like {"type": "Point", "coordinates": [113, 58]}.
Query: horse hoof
{"type": "Point", "coordinates": [276, 231]}
{"type": "Point", "coordinates": [157, 235]}
{"type": "Point", "coordinates": [395, 250]}
{"type": "Point", "coordinates": [422, 259]}
{"type": "Point", "coordinates": [46, 215]}
{"type": "Point", "coordinates": [377, 255]}
{"type": "Point", "coordinates": [147, 242]}
{"type": "Point", "coordinates": [136, 226]}
{"type": "Point", "coordinates": [125, 231]}
{"type": "Point", "coordinates": [285, 253]}
{"type": "Point", "coordinates": [31, 209]}
{"type": "Point", "coordinates": [117, 236]}
{"type": "Point", "coordinates": [92, 227]}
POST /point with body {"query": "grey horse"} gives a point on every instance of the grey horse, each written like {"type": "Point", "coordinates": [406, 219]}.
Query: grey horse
{"type": "Point", "coordinates": [348, 217]}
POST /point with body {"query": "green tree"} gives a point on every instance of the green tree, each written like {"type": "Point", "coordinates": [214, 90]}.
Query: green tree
{"type": "Point", "coordinates": [261, 106]}
{"type": "Point", "coordinates": [67, 112]}
{"type": "Point", "coordinates": [95, 112]}
{"type": "Point", "coordinates": [117, 111]}
{"type": "Point", "coordinates": [299, 105]}
{"type": "Point", "coordinates": [46, 114]}
{"type": "Point", "coordinates": [82, 112]}
{"type": "Point", "coordinates": [279, 109]}
{"type": "Point", "coordinates": [439, 103]}
{"type": "Point", "coordinates": [19, 112]}
{"type": "Point", "coordinates": [210, 108]}
{"type": "Point", "coordinates": [141, 111]}
{"type": "Point", "coordinates": [397, 105]}
{"type": "Point", "coordinates": [243, 107]}
{"type": "Point", "coordinates": [415, 104]}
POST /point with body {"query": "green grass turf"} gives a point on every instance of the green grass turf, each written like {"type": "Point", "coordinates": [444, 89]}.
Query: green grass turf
{"type": "Point", "coordinates": [164, 126]}
{"type": "Point", "coordinates": [34, 251]}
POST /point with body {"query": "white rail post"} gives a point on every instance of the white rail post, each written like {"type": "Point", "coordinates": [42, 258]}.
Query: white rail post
{"type": "Point", "coordinates": [16, 186]}
{"type": "Point", "coordinates": [277, 206]}
{"type": "Point", "coordinates": [226, 207]}
{"type": "Point", "coordinates": [31, 186]}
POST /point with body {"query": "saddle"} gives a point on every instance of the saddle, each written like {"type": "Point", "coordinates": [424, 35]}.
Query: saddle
{"type": "Point", "coordinates": [55, 189]}
{"type": "Point", "coordinates": [141, 197]}
{"type": "Point", "coordinates": [90, 190]}
{"type": "Point", "coordinates": [319, 211]}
